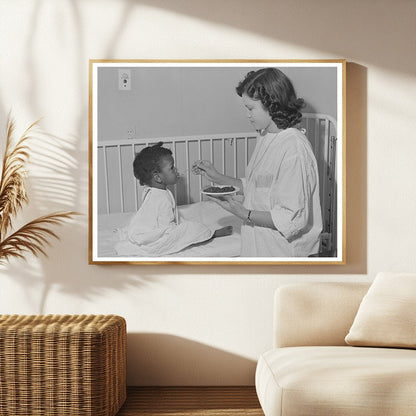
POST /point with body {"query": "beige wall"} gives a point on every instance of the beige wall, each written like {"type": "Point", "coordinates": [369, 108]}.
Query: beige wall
{"type": "Point", "coordinates": [201, 324]}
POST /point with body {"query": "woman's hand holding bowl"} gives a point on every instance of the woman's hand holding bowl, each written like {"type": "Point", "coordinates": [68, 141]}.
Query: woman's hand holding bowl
{"type": "Point", "coordinates": [231, 204]}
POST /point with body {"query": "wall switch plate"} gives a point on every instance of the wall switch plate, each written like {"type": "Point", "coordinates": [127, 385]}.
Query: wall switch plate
{"type": "Point", "coordinates": [124, 79]}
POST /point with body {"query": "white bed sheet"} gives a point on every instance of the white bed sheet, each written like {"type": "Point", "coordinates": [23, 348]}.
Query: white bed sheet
{"type": "Point", "coordinates": [207, 212]}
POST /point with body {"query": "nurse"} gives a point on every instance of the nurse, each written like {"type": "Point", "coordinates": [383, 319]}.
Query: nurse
{"type": "Point", "coordinates": [281, 210]}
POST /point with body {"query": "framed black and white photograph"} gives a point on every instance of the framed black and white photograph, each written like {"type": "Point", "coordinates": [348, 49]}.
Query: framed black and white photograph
{"type": "Point", "coordinates": [217, 162]}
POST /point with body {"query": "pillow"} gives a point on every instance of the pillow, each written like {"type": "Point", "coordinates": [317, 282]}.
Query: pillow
{"type": "Point", "coordinates": [386, 316]}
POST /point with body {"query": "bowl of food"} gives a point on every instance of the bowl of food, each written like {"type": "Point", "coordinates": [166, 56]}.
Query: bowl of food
{"type": "Point", "coordinates": [220, 190]}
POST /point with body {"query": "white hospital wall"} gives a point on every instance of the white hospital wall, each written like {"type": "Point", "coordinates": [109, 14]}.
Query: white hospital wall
{"type": "Point", "coordinates": [188, 101]}
{"type": "Point", "coordinates": [201, 325]}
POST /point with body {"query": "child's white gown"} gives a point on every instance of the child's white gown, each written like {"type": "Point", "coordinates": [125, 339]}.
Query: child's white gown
{"type": "Point", "coordinates": [154, 231]}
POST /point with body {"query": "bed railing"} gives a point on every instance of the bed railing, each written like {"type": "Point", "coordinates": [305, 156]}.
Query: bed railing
{"type": "Point", "coordinates": [119, 191]}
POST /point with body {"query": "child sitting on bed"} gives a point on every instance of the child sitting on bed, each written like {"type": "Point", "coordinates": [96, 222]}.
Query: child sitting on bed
{"type": "Point", "coordinates": [154, 230]}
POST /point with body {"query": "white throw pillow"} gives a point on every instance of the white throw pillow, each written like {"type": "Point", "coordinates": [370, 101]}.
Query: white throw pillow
{"type": "Point", "coordinates": [387, 314]}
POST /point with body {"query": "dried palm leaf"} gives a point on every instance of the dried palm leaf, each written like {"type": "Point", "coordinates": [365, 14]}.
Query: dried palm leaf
{"type": "Point", "coordinates": [12, 182]}
{"type": "Point", "coordinates": [35, 235]}
{"type": "Point", "coordinates": [32, 237]}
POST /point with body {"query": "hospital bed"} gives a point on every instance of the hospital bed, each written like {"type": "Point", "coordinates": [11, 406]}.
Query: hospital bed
{"type": "Point", "coordinates": [119, 194]}
{"type": "Point", "coordinates": [206, 212]}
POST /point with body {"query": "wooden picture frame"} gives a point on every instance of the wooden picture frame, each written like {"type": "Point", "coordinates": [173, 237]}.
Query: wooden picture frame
{"type": "Point", "coordinates": [192, 107]}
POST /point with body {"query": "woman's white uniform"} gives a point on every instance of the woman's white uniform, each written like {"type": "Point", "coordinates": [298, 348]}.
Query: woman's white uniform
{"type": "Point", "coordinates": [282, 178]}
{"type": "Point", "coordinates": [154, 231]}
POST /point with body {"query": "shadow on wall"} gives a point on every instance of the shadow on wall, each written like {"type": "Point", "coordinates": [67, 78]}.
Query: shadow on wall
{"type": "Point", "coordinates": [53, 186]}
{"type": "Point", "coordinates": [37, 286]}
{"type": "Point", "coordinates": [74, 183]}
{"type": "Point", "coordinates": [58, 180]}
{"type": "Point", "coordinates": [335, 27]}
{"type": "Point", "coordinates": [161, 359]}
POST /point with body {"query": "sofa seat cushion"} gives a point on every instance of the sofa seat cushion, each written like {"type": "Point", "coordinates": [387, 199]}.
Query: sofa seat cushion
{"type": "Point", "coordinates": [342, 380]}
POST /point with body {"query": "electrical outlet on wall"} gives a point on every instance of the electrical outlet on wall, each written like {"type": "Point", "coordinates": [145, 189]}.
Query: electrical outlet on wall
{"type": "Point", "coordinates": [124, 79]}
{"type": "Point", "coordinates": [131, 132]}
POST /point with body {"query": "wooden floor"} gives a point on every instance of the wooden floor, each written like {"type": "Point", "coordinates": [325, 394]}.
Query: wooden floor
{"type": "Point", "coordinates": [187, 401]}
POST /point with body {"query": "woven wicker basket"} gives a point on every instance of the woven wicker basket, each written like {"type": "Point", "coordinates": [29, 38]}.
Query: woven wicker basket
{"type": "Point", "coordinates": [71, 365]}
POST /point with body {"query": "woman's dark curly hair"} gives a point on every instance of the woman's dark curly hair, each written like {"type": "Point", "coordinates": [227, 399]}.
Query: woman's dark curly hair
{"type": "Point", "coordinates": [147, 162]}
{"type": "Point", "coordinates": [275, 91]}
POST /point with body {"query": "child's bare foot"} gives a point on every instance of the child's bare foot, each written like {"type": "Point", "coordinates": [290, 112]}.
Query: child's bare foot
{"type": "Point", "coordinates": [222, 232]}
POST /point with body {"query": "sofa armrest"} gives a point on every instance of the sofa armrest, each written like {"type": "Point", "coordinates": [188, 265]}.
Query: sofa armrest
{"type": "Point", "coordinates": [315, 313]}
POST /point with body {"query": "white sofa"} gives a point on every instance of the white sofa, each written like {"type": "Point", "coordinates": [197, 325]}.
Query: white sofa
{"type": "Point", "coordinates": [311, 371]}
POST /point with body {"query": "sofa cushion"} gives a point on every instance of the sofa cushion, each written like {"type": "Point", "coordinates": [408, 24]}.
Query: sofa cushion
{"type": "Point", "coordinates": [318, 313]}
{"type": "Point", "coordinates": [387, 314]}
{"type": "Point", "coordinates": [304, 381]}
